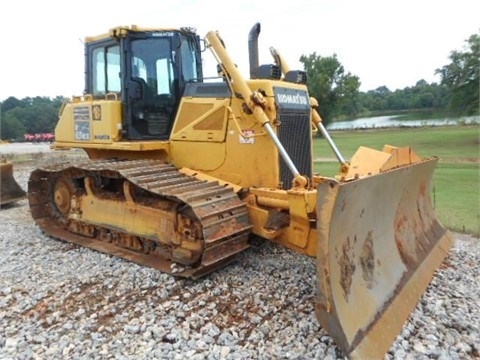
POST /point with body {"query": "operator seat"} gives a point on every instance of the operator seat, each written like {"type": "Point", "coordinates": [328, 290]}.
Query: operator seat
{"type": "Point", "coordinates": [147, 92]}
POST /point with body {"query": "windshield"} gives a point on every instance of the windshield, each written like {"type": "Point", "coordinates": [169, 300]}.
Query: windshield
{"type": "Point", "coordinates": [189, 61]}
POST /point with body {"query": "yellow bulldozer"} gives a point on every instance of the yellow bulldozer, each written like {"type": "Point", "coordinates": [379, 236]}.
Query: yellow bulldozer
{"type": "Point", "coordinates": [183, 169]}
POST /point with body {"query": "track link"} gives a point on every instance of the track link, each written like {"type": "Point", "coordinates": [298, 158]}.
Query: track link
{"type": "Point", "coordinates": [201, 224]}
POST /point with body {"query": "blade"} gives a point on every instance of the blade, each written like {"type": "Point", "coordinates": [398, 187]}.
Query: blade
{"type": "Point", "coordinates": [379, 245]}
{"type": "Point", "coordinates": [10, 191]}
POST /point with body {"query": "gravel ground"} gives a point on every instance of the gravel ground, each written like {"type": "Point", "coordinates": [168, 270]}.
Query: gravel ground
{"type": "Point", "coordinates": [58, 300]}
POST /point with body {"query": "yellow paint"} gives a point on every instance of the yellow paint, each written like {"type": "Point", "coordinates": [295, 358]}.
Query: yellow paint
{"type": "Point", "coordinates": [102, 123]}
{"type": "Point", "coordinates": [129, 217]}
{"type": "Point", "coordinates": [201, 120]}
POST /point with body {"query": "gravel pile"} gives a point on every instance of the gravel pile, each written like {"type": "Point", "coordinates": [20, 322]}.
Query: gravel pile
{"type": "Point", "coordinates": [58, 300]}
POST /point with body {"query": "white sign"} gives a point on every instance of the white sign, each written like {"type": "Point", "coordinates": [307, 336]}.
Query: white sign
{"type": "Point", "coordinates": [246, 140]}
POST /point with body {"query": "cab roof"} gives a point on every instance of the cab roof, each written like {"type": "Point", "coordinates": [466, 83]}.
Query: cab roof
{"type": "Point", "coordinates": [122, 31]}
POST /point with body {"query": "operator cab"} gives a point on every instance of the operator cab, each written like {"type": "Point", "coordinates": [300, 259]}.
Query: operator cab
{"type": "Point", "coordinates": [148, 70]}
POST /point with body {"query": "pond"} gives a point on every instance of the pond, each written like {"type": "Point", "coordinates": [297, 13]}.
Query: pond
{"type": "Point", "coordinates": [396, 121]}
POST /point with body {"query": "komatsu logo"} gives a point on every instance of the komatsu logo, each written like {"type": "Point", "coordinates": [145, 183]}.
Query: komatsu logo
{"type": "Point", "coordinates": [291, 99]}
{"type": "Point", "coordinates": [296, 99]}
{"type": "Point", "coordinates": [159, 34]}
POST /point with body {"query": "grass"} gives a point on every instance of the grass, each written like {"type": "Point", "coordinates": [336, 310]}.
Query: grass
{"type": "Point", "coordinates": [446, 142]}
{"type": "Point", "coordinates": [457, 196]}
{"type": "Point", "coordinates": [456, 181]}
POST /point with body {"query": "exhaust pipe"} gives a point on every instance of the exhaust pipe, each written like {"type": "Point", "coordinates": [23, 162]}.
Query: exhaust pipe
{"type": "Point", "coordinates": [253, 49]}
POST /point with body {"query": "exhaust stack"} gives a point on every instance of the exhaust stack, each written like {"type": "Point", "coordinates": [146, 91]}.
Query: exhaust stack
{"type": "Point", "coordinates": [253, 49]}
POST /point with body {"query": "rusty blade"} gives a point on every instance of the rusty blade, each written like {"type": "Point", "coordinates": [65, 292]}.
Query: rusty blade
{"type": "Point", "coordinates": [379, 245]}
{"type": "Point", "coordinates": [10, 191]}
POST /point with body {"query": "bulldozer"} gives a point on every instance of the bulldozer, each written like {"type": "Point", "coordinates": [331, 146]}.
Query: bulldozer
{"type": "Point", "coordinates": [183, 169]}
{"type": "Point", "coordinates": [10, 190]}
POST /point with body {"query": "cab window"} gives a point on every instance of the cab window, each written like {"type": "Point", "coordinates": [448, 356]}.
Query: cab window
{"type": "Point", "coordinates": [106, 70]}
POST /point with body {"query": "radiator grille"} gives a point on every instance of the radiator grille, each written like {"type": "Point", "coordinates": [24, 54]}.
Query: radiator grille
{"type": "Point", "coordinates": [294, 134]}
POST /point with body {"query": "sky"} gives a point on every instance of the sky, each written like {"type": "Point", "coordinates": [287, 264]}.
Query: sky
{"type": "Point", "coordinates": [384, 43]}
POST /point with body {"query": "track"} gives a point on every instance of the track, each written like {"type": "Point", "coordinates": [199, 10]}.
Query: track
{"type": "Point", "coordinates": [141, 210]}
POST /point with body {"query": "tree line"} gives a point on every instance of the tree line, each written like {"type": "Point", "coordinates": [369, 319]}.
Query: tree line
{"type": "Point", "coordinates": [336, 90]}
{"type": "Point", "coordinates": [28, 116]}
